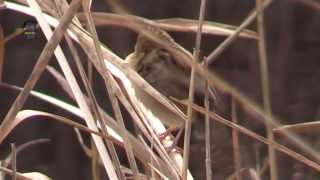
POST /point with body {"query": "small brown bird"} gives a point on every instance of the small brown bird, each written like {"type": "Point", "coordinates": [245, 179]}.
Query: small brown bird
{"type": "Point", "coordinates": [158, 67]}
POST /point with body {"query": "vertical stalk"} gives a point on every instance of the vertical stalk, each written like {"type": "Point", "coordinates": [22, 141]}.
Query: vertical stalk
{"type": "Point", "coordinates": [207, 130]}
{"type": "Point", "coordinates": [13, 161]}
{"type": "Point", "coordinates": [235, 141]}
{"type": "Point", "coordinates": [265, 88]}
{"type": "Point", "coordinates": [186, 150]}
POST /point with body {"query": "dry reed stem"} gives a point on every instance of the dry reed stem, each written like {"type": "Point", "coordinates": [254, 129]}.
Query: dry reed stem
{"type": "Point", "coordinates": [22, 147]}
{"type": "Point", "coordinates": [171, 24]}
{"type": "Point", "coordinates": [208, 160]}
{"type": "Point", "coordinates": [187, 135]}
{"type": "Point", "coordinates": [305, 128]}
{"type": "Point", "coordinates": [265, 87]}
{"type": "Point", "coordinates": [24, 115]}
{"type": "Point", "coordinates": [13, 161]}
{"type": "Point", "coordinates": [87, 150]}
{"type": "Point", "coordinates": [209, 27]}
{"type": "Point", "coordinates": [235, 141]}
{"type": "Point", "coordinates": [95, 170]}
{"type": "Point", "coordinates": [227, 42]}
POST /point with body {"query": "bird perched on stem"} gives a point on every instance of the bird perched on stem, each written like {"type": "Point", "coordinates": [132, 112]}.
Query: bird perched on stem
{"type": "Point", "coordinates": [159, 68]}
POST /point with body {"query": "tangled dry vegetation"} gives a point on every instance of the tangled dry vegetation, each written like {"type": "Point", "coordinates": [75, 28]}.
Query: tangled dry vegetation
{"type": "Point", "coordinates": [147, 156]}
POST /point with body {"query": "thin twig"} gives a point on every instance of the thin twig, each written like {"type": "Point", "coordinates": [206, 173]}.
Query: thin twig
{"type": "Point", "coordinates": [235, 141]}
{"type": "Point", "coordinates": [13, 161]}
{"type": "Point", "coordinates": [84, 147]}
{"type": "Point", "coordinates": [26, 114]}
{"type": "Point", "coordinates": [207, 129]}
{"type": "Point", "coordinates": [265, 87]}
{"type": "Point", "coordinates": [305, 127]}
{"type": "Point", "coordinates": [94, 162]}
{"type": "Point", "coordinates": [186, 149]}
{"type": "Point", "coordinates": [22, 147]}
{"type": "Point", "coordinates": [170, 24]}
{"type": "Point", "coordinates": [217, 52]}
{"type": "Point", "coordinates": [31, 143]}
